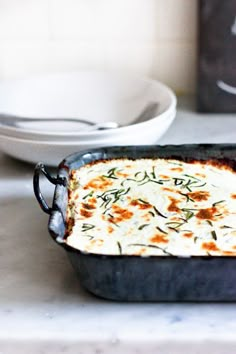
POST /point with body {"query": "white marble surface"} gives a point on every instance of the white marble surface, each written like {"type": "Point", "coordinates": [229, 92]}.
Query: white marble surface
{"type": "Point", "coordinates": [43, 309]}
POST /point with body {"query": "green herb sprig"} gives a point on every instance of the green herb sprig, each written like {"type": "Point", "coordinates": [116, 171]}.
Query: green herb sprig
{"type": "Point", "coordinates": [151, 246]}
{"type": "Point", "coordinates": [87, 227]}
{"type": "Point", "coordinates": [141, 227]}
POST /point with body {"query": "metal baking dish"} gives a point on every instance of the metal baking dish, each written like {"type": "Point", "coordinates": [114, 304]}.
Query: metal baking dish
{"type": "Point", "coordinates": [135, 278]}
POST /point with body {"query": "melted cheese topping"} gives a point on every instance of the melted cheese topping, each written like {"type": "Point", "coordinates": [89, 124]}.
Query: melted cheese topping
{"type": "Point", "coordinates": [153, 207]}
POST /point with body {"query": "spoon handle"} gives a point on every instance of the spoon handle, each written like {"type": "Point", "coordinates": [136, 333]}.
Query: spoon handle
{"type": "Point", "coordinates": [11, 120]}
{"type": "Point", "coordinates": [149, 111]}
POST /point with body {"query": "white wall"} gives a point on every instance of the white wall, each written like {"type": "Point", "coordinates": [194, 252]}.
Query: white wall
{"type": "Point", "coordinates": [156, 38]}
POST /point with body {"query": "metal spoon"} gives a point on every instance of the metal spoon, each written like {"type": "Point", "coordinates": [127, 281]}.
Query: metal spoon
{"type": "Point", "coordinates": [150, 110]}
{"type": "Point", "coordinates": [15, 121]}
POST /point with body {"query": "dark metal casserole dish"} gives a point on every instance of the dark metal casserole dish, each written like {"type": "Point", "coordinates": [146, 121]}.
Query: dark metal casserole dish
{"type": "Point", "coordinates": [135, 278]}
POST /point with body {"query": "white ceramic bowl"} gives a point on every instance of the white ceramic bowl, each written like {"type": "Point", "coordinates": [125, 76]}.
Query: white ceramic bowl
{"type": "Point", "coordinates": [95, 96]}
{"type": "Point", "coordinates": [52, 152]}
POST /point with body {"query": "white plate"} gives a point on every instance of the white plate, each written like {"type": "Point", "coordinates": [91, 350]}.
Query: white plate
{"type": "Point", "coordinates": [51, 152]}
{"type": "Point", "coordinates": [95, 96]}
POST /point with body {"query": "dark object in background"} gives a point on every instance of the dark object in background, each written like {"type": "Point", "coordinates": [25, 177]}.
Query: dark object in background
{"type": "Point", "coordinates": [217, 56]}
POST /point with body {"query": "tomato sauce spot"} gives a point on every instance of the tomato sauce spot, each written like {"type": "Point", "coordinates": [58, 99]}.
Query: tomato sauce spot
{"type": "Point", "coordinates": [118, 210]}
{"type": "Point", "coordinates": [98, 183]}
{"type": "Point", "coordinates": [146, 217]}
{"type": "Point", "coordinates": [140, 205]}
{"type": "Point", "coordinates": [121, 174]}
{"type": "Point", "coordinates": [210, 246]}
{"type": "Point", "coordinates": [199, 196]}
{"type": "Point", "coordinates": [88, 206]}
{"type": "Point", "coordinates": [159, 239]}
{"type": "Point", "coordinates": [164, 176]}
{"type": "Point", "coordinates": [97, 242]}
{"type": "Point", "coordinates": [140, 252]}
{"type": "Point", "coordinates": [188, 234]}
{"type": "Point", "coordinates": [206, 213]}
{"type": "Point", "coordinates": [167, 189]}
{"type": "Point", "coordinates": [233, 196]}
{"type": "Point", "coordinates": [229, 253]}
{"type": "Point", "coordinates": [110, 229]}
{"type": "Point", "coordinates": [177, 169]}
{"type": "Point", "coordinates": [120, 214]}
{"type": "Point", "coordinates": [173, 205]}
{"type": "Point", "coordinates": [115, 220]}
{"type": "Point", "coordinates": [200, 175]}
{"type": "Point", "coordinates": [86, 213]}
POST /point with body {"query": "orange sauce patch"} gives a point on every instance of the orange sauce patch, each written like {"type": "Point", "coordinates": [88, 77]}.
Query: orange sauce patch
{"type": "Point", "coordinates": [88, 206]}
{"type": "Point", "coordinates": [175, 218]}
{"type": "Point", "coordinates": [110, 229]}
{"type": "Point", "coordinates": [206, 213]}
{"type": "Point", "coordinates": [86, 213]}
{"type": "Point", "coordinates": [210, 246]}
{"type": "Point", "coordinates": [121, 211]}
{"type": "Point", "coordinates": [233, 196]}
{"type": "Point", "coordinates": [199, 196]}
{"type": "Point", "coordinates": [167, 189]}
{"type": "Point", "coordinates": [229, 253]}
{"type": "Point", "coordinates": [120, 214]}
{"type": "Point", "coordinates": [188, 234]}
{"type": "Point", "coordinates": [98, 183]}
{"type": "Point", "coordinates": [140, 205]}
{"type": "Point", "coordinates": [200, 175]}
{"type": "Point", "coordinates": [177, 169]}
{"type": "Point", "coordinates": [159, 239]}
{"type": "Point", "coordinates": [121, 174]}
{"type": "Point", "coordinates": [173, 205]}
{"type": "Point", "coordinates": [140, 252]}
{"type": "Point", "coordinates": [146, 217]}
{"type": "Point", "coordinates": [97, 242]}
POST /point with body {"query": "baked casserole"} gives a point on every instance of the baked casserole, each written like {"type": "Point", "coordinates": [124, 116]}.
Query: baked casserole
{"type": "Point", "coordinates": [147, 207]}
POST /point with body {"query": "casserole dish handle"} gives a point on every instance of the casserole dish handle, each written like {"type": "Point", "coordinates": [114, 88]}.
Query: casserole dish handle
{"type": "Point", "coordinates": [40, 168]}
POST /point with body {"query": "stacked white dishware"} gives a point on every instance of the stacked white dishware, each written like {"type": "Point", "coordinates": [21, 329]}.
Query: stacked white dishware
{"type": "Point", "coordinates": [47, 118]}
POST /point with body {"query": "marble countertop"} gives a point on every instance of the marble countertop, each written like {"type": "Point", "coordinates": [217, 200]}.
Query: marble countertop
{"type": "Point", "coordinates": [43, 309]}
